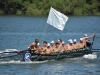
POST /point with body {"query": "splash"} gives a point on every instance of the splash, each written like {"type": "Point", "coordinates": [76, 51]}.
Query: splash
{"type": "Point", "coordinates": [90, 56]}
{"type": "Point", "coordinates": [22, 62]}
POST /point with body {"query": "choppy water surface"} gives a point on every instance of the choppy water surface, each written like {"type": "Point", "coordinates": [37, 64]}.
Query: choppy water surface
{"type": "Point", "coordinates": [17, 32]}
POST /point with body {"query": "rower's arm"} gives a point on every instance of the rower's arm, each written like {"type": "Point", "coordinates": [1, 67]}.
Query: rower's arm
{"type": "Point", "coordinates": [31, 45]}
{"type": "Point", "coordinates": [91, 35]}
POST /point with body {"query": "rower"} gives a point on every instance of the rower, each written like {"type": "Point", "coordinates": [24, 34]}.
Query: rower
{"type": "Point", "coordinates": [62, 48]}
{"type": "Point", "coordinates": [75, 44]}
{"type": "Point", "coordinates": [70, 45]}
{"type": "Point", "coordinates": [63, 43]}
{"type": "Point", "coordinates": [81, 44]}
{"type": "Point", "coordinates": [48, 51]}
{"type": "Point", "coordinates": [38, 49]}
{"type": "Point", "coordinates": [52, 45]}
{"type": "Point", "coordinates": [88, 43]}
{"type": "Point", "coordinates": [60, 42]}
{"type": "Point", "coordinates": [45, 45]}
{"type": "Point", "coordinates": [86, 36]}
{"type": "Point", "coordinates": [56, 49]}
{"type": "Point", "coordinates": [32, 47]}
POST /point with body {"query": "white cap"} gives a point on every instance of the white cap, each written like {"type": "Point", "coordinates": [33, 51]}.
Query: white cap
{"type": "Point", "coordinates": [48, 44]}
{"type": "Point", "coordinates": [75, 40]}
{"type": "Point", "coordinates": [85, 35]}
{"type": "Point", "coordinates": [63, 42]}
{"type": "Point", "coordinates": [70, 40]}
{"type": "Point", "coordinates": [38, 44]}
{"type": "Point", "coordinates": [58, 40]}
{"type": "Point", "coordinates": [52, 42]}
{"type": "Point", "coordinates": [81, 39]}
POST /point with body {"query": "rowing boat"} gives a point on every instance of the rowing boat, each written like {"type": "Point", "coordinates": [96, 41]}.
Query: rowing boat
{"type": "Point", "coordinates": [61, 55]}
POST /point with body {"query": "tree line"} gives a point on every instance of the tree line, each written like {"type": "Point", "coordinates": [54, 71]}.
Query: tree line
{"type": "Point", "coordinates": [42, 7]}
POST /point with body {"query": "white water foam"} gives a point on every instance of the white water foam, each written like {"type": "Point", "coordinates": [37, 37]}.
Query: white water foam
{"type": "Point", "coordinates": [22, 62]}
{"type": "Point", "coordinates": [90, 56]}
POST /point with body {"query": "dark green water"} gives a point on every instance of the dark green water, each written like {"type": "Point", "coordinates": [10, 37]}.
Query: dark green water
{"type": "Point", "coordinates": [17, 32]}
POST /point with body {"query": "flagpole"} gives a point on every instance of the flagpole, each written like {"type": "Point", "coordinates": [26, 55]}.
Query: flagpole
{"type": "Point", "coordinates": [44, 31]}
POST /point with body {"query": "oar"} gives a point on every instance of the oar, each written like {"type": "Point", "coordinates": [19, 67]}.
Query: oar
{"type": "Point", "coordinates": [17, 51]}
{"type": "Point", "coordinates": [95, 50]}
{"type": "Point", "coordinates": [8, 52]}
{"type": "Point", "coordinates": [1, 57]}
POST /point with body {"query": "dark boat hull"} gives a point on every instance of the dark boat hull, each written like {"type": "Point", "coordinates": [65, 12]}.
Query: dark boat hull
{"type": "Point", "coordinates": [67, 54]}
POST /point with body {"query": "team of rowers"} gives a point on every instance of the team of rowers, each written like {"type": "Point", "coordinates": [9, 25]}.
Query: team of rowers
{"type": "Point", "coordinates": [59, 46]}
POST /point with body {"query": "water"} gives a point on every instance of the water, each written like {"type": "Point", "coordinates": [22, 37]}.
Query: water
{"type": "Point", "coordinates": [17, 32]}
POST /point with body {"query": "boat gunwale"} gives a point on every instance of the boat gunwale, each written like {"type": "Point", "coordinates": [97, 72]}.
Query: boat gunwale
{"type": "Point", "coordinates": [65, 53]}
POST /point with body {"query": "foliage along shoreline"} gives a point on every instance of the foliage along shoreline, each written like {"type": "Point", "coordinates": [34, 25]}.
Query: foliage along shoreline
{"type": "Point", "coordinates": [42, 7]}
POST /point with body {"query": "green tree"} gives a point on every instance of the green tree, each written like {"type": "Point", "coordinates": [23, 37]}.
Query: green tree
{"type": "Point", "coordinates": [42, 7]}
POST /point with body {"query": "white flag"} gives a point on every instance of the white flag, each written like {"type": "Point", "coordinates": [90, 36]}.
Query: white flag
{"type": "Point", "coordinates": [57, 19]}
